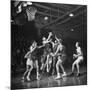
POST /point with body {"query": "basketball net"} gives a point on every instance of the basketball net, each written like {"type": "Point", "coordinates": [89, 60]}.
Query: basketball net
{"type": "Point", "coordinates": [31, 11]}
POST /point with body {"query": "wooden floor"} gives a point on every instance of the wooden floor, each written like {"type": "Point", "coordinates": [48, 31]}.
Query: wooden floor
{"type": "Point", "coordinates": [49, 81]}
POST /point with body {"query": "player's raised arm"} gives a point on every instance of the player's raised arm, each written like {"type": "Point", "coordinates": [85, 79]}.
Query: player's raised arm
{"type": "Point", "coordinates": [27, 54]}
{"type": "Point", "coordinates": [49, 36]}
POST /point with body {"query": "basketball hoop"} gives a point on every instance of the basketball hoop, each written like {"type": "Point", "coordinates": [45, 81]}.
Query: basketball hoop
{"type": "Point", "coordinates": [31, 11]}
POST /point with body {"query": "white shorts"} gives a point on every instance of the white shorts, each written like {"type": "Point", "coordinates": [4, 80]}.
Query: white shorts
{"type": "Point", "coordinates": [79, 59]}
{"type": "Point", "coordinates": [29, 62]}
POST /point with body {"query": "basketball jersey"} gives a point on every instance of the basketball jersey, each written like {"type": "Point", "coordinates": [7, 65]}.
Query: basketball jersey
{"type": "Point", "coordinates": [34, 54]}
{"type": "Point", "coordinates": [79, 52]}
{"type": "Point", "coordinates": [55, 48]}
{"type": "Point", "coordinates": [62, 51]}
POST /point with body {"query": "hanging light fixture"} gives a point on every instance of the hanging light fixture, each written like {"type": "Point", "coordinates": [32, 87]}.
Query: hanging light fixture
{"type": "Point", "coordinates": [29, 3]}
{"type": "Point", "coordinates": [46, 18]}
{"type": "Point", "coordinates": [72, 30]}
{"type": "Point", "coordinates": [71, 14]}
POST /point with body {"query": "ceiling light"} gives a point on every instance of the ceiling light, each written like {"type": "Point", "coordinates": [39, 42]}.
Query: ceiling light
{"type": "Point", "coordinates": [29, 3]}
{"type": "Point", "coordinates": [45, 18]}
{"type": "Point", "coordinates": [71, 14]}
{"type": "Point", "coordinates": [72, 30]}
{"type": "Point", "coordinates": [24, 4]}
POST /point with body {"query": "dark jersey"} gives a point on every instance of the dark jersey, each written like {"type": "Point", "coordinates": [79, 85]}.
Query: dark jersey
{"type": "Point", "coordinates": [55, 48]}
{"type": "Point", "coordinates": [63, 53]}
{"type": "Point", "coordinates": [34, 54]}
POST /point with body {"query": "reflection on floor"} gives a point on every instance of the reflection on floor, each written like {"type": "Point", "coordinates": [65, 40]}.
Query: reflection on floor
{"type": "Point", "coordinates": [45, 81]}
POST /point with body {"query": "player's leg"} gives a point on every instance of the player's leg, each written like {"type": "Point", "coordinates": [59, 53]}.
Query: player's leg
{"type": "Point", "coordinates": [42, 62]}
{"type": "Point", "coordinates": [78, 70]}
{"type": "Point", "coordinates": [73, 67]}
{"type": "Point", "coordinates": [27, 70]}
{"type": "Point", "coordinates": [61, 65]}
{"type": "Point", "coordinates": [79, 60]}
{"type": "Point", "coordinates": [47, 63]}
{"type": "Point", "coordinates": [53, 64]}
{"type": "Point", "coordinates": [31, 67]}
{"type": "Point", "coordinates": [63, 70]}
{"type": "Point", "coordinates": [57, 69]}
{"type": "Point", "coordinates": [37, 69]}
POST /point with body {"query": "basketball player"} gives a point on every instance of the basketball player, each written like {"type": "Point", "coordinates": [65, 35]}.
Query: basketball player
{"type": "Point", "coordinates": [46, 49]}
{"type": "Point", "coordinates": [79, 58]}
{"type": "Point", "coordinates": [60, 52]}
{"type": "Point", "coordinates": [54, 57]}
{"type": "Point", "coordinates": [30, 62]}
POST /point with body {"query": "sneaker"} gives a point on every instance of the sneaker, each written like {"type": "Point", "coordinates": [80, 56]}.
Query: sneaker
{"type": "Point", "coordinates": [64, 74]}
{"type": "Point", "coordinates": [38, 78]}
{"type": "Point", "coordinates": [58, 77]}
{"type": "Point", "coordinates": [38, 75]}
{"type": "Point", "coordinates": [78, 74]}
{"type": "Point", "coordinates": [28, 79]}
{"type": "Point", "coordinates": [72, 74]}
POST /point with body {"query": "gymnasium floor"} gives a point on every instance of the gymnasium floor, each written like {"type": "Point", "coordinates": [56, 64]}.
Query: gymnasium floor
{"type": "Point", "coordinates": [49, 81]}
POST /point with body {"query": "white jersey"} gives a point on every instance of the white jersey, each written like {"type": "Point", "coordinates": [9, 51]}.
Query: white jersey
{"type": "Point", "coordinates": [28, 62]}
{"type": "Point", "coordinates": [80, 55]}
{"type": "Point", "coordinates": [79, 51]}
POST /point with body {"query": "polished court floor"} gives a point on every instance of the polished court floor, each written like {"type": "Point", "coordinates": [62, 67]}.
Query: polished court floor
{"type": "Point", "coordinates": [49, 81]}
